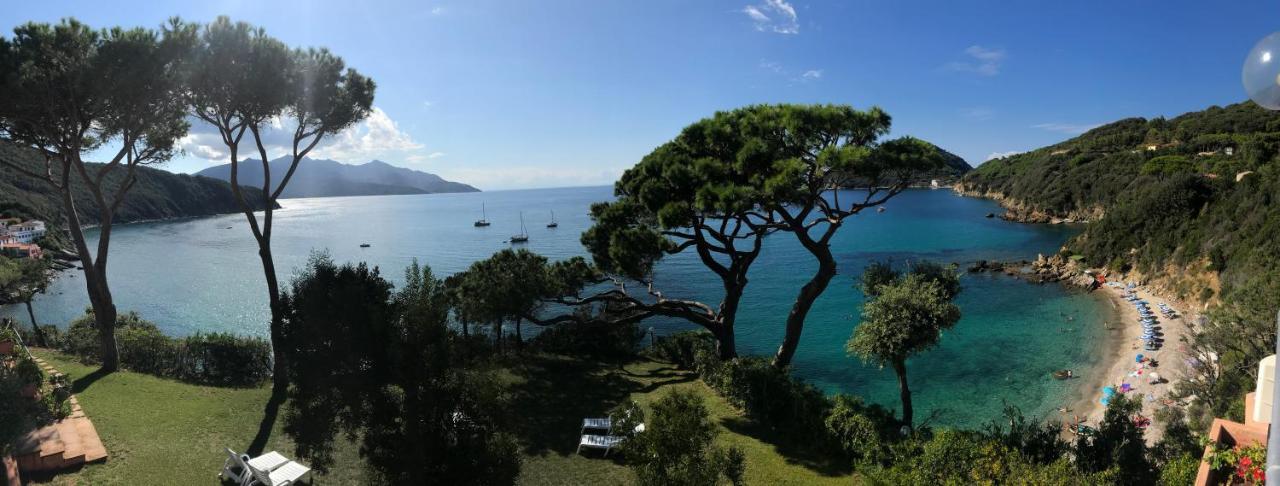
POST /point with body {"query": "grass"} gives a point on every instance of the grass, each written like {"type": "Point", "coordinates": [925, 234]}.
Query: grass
{"type": "Point", "coordinates": [556, 393]}
{"type": "Point", "coordinates": [160, 431]}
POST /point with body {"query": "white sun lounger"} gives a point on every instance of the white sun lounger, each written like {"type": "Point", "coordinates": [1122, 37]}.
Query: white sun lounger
{"type": "Point", "coordinates": [236, 466]}
{"type": "Point", "coordinates": [606, 442]}
{"type": "Point", "coordinates": [596, 424]}
{"type": "Point", "coordinates": [284, 474]}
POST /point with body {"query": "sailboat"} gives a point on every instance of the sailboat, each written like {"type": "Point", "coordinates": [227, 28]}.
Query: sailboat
{"type": "Point", "coordinates": [484, 218]}
{"type": "Point", "coordinates": [524, 235]}
{"type": "Point", "coordinates": [553, 222]}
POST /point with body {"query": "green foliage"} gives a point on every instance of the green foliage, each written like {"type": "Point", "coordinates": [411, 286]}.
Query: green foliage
{"type": "Point", "coordinates": [17, 414]}
{"type": "Point", "coordinates": [770, 395]}
{"type": "Point", "coordinates": [218, 359]}
{"type": "Point", "coordinates": [1180, 471]}
{"type": "Point", "coordinates": [1166, 165]}
{"type": "Point", "coordinates": [387, 369]}
{"type": "Point", "coordinates": [28, 372]}
{"type": "Point", "coordinates": [863, 432]}
{"type": "Point", "coordinates": [156, 194]}
{"type": "Point", "coordinates": [1118, 444]}
{"type": "Point", "coordinates": [683, 348]}
{"type": "Point", "coordinates": [591, 339]}
{"type": "Point", "coordinates": [676, 446]}
{"type": "Point", "coordinates": [907, 317]}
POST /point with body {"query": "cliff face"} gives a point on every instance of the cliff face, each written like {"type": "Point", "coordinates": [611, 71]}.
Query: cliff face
{"type": "Point", "coordinates": [1023, 212]}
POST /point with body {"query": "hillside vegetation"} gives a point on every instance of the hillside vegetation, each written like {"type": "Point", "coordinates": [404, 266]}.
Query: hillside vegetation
{"type": "Point", "coordinates": [1187, 202]}
{"type": "Point", "coordinates": [157, 195]}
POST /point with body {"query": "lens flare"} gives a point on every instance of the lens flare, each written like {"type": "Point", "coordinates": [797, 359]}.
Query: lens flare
{"type": "Point", "coordinates": [1261, 73]}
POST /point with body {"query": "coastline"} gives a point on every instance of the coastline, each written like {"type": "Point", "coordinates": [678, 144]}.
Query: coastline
{"type": "Point", "coordinates": [1118, 363]}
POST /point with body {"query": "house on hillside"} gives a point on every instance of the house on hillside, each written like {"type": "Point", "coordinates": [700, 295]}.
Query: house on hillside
{"type": "Point", "coordinates": [21, 250]}
{"type": "Point", "coordinates": [22, 231]}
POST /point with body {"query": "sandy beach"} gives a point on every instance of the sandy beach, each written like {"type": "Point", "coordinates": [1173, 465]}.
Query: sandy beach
{"type": "Point", "coordinates": [1119, 366]}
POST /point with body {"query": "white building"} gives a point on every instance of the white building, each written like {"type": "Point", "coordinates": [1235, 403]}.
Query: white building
{"type": "Point", "coordinates": [26, 232]}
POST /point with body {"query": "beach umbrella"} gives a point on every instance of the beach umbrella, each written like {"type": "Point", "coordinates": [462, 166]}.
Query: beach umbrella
{"type": "Point", "coordinates": [1138, 358]}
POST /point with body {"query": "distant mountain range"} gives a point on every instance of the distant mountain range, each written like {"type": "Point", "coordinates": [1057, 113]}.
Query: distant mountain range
{"type": "Point", "coordinates": [327, 178]}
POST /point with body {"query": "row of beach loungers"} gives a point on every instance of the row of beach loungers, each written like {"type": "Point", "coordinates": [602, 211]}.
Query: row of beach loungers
{"type": "Point", "coordinates": [607, 441]}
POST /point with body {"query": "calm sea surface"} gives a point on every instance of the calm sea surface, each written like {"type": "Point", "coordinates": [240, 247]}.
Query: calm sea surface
{"type": "Point", "coordinates": [204, 275]}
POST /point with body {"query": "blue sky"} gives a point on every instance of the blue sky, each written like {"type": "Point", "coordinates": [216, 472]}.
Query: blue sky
{"type": "Point", "coordinates": [557, 93]}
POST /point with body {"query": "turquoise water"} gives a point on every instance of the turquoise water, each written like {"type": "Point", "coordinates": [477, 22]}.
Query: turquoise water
{"type": "Point", "coordinates": [198, 275]}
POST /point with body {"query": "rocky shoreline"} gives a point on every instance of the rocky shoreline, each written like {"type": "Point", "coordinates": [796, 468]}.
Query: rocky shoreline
{"type": "Point", "coordinates": [1020, 212]}
{"type": "Point", "coordinates": [1042, 270]}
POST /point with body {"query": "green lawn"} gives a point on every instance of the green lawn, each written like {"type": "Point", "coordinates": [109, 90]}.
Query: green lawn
{"type": "Point", "coordinates": [555, 394]}
{"type": "Point", "coordinates": [160, 431]}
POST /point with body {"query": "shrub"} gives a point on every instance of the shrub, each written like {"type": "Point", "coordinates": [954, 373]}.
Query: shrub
{"type": "Point", "coordinates": [682, 348]}
{"type": "Point", "coordinates": [1180, 471]}
{"type": "Point", "coordinates": [210, 359]}
{"type": "Point", "coordinates": [769, 395]}
{"type": "Point", "coordinates": [855, 433]}
{"type": "Point", "coordinates": [601, 341]}
{"type": "Point", "coordinates": [225, 359]}
{"type": "Point", "coordinates": [28, 372]}
{"type": "Point", "coordinates": [677, 447]}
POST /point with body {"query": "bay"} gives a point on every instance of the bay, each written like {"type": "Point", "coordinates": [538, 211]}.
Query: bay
{"type": "Point", "coordinates": [203, 275]}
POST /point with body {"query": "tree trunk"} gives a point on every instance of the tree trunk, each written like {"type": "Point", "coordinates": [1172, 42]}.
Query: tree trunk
{"type": "Point", "coordinates": [95, 278]}
{"type": "Point", "coordinates": [519, 338]}
{"type": "Point", "coordinates": [726, 346]}
{"type": "Point", "coordinates": [804, 301]}
{"type": "Point", "coordinates": [900, 367]}
{"type": "Point", "coordinates": [280, 370]}
{"type": "Point", "coordinates": [40, 339]}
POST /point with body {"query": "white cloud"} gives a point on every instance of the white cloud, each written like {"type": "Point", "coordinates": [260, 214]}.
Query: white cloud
{"type": "Point", "coordinates": [777, 68]}
{"type": "Point", "coordinates": [1068, 128]}
{"type": "Point", "coordinates": [436, 155]}
{"type": "Point", "coordinates": [1001, 155]}
{"type": "Point", "coordinates": [755, 13]}
{"type": "Point", "coordinates": [983, 61]}
{"type": "Point", "coordinates": [376, 137]}
{"type": "Point", "coordinates": [774, 16]}
{"type": "Point", "coordinates": [437, 11]}
{"type": "Point", "coordinates": [427, 104]}
{"type": "Point", "coordinates": [979, 113]}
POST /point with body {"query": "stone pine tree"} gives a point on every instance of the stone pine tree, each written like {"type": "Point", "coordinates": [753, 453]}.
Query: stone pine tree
{"type": "Point", "coordinates": [687, 195]}
{"type": "Point", "coordinates": [242, 82]}
{"type": "Point", "coordinates": [728, 181]}
{"type": "Point", "coordinates": [903, 316]}
{"type": "Point", "coordinates": [67, 90]}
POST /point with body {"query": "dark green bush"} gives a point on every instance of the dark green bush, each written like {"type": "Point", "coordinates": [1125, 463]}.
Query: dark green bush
{"type": "Point", "coordinates": [601, 341]}
{"type": "Point", "coordinates": [769, 395]}
{"type": "Point", "coordinates": [855, 432]}
{"type": "Point", "coordinates": [682, 348]}
{"type": "Point", "coordinates": [225, 359]}
{"type": "Point", "coordinates": [210, 359]}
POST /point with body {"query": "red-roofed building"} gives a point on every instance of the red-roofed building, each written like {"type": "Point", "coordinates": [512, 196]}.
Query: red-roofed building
{"type": "Point", "coordinates": [21, 250]}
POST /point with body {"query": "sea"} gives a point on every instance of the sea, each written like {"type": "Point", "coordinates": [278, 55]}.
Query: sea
{"type": "Point", "coordinates": [203, 274]}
